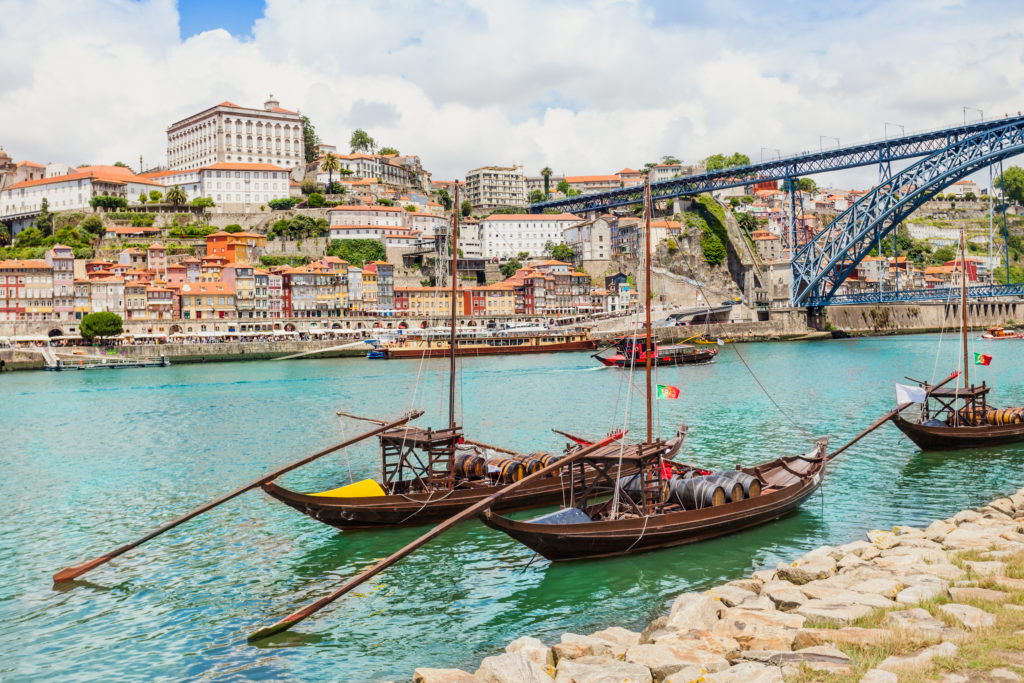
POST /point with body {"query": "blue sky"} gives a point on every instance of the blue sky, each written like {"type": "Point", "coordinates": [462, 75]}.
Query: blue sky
{"type": "Point", "coordinates": [234, 16]}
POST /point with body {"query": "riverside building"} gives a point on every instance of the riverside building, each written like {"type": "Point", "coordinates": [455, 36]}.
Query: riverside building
{"type": "Point", "coordinates": [496, 187]}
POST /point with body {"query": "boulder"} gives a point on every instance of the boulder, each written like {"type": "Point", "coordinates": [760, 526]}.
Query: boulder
{"type": "Point", "coordinates": [850, 561]}
{"type": "Point", "coordinates": [752, 585]}
{"type": "Point", "coordinates": [784, 595]}
{"type": "Point", "coordinates": [968, 594]}
{"type": "Point", "coordinates": [764, 575]}
{"type": "Point", "coordinates": [842, 596]}
{"type": "Point", "coordinates": [730, 596]}
{"type": "Point", "coordinates": [1009, 584]}
{"type": "Point", "coordinates": [937, 530]}
{"type": "Point", "coordinates": [969, 537]}
{"type": "Point", "coordinates": [833, 612]}
{"type": "Point", "coordinates": [921, 659]}
{"type": "Point", "coordinates": [538, 653]}
{"type": "Point", "coordinates": [747, 672]}
{"type": "Point", "coordinates": [965, 516]}
{"type": "Point", "coordinates": [919, 622]}
{"type": "Point", "coordinates": [1003, 505]}
{"type": "Point", "coordinates": [601, 670]}
{"type": "Point", "coordinates": [688, 675]}
{"type": "Point", "coordinates": [824, 658]}
{"type": "Point", "coordinates": [856, 548]}
{"type": "Point", "coordinates": [617, 636]}
{"type": "Point", "coordinates": [923, 555]}
{"type": "Point", "coordinates": [761, 602]}
{"type": "Point", "coordinates": [990, 568]}
{"type": "Point", "coordinates": [970, 617]}
{"type": "Point", "coordinates": [759, 630]}
{"type": "Point", "coordinates": [654, 629]}
{"type": "Point", "coordinates": [512, 667]}
{"type": "Point", "coordinates": [887, 588]}
{"type": "Point", "coordinates": [949, 572]}
{"type": "Point", "coordinates": [883, 539]}
{"type": "Point", "coordinates": [707, 641]}
{"type": "Point", "coordinates": [424, 675]}
{"type": "Point", "coordinates": [574, 646]}
{"type": "Point", "coordinates": [863, 637]}
{"type": "Point", "coordinates": [913, 595]}
{"type": "Point", "coordinates": [1002, 675]}
{"type": "Point", "coordinates": [670, 655]}
{"type": "Point", "coordinates": [693, 611]}
{"type": "Point", "coordinates": [878, 676]}
{"type": "Point", "coordinates": [803, 571]}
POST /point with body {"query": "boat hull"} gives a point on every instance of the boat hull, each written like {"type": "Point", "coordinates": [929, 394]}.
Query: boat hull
{"type": "Point", "coordinates": [419, 352]}
{"type": "Point", "coordinates": [618, 361]}
{"type": "Point", "coordinates": [943, 438]}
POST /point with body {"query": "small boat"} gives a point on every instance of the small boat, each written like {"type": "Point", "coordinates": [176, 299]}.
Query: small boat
{"type": "Point", "coordinates": [999, 332]}
{"type": "Point", "coordinates": [707, 341]}
{"type": "Point", "coordinates": [377, 352]}
{"type": "Point", "coordinates": [632, 351]}
{"type": "Point", "coordinates": [436, 343]}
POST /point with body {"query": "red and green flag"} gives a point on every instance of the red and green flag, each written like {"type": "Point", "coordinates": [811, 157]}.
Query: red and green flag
{"type": "Point", "coordinates": [668, 391]}
{"type": "Point", "coordinates": [981, 359]}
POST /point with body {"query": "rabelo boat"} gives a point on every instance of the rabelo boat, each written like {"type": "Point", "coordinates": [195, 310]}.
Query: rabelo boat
{"type": "Point", "coordinates": [631, 352]}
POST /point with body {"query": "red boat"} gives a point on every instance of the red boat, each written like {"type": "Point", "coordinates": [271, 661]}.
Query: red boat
{"type": "Point", "coordinates": [632, 352]}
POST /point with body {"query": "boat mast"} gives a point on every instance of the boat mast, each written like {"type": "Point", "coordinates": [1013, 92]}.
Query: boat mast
{"type": "Point", "coordinates": [647, 296]}
{"type": "Point", "coordinates": [454, 245]}
{"type": "Point", "coordinates": [963, 300]}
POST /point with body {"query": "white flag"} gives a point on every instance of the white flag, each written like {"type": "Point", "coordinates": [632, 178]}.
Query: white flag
{"type": "Point", "coordinates": [720, 342]}
{"type": "Point", "coordinates": [909, 394]}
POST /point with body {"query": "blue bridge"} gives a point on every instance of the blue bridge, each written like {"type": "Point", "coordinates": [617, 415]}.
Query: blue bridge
{"type": "Point", "coordinates": [826, 260]}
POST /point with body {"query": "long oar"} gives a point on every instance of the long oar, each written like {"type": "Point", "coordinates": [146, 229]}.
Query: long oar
{"type": "Point", "coordinates": [888, 416]}
{"type": "Point", "coordinates": [76, 571]}
{"type": "Point", "coordinates": [314, 607]}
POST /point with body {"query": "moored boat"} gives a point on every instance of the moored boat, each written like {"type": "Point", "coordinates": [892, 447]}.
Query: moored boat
{"type": "Point", "coordinates": [487, 343]}
{"type": "Point", "coordinates": [999, 332]}
{"type": "Point", "coordinates": [632, 352]}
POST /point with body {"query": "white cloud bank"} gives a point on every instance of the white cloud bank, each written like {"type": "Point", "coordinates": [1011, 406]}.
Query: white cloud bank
{"type": "Point", "coordinates": [584, 87]}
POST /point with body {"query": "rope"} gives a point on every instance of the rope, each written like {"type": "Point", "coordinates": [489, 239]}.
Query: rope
{"type": "Point", "coordinates": [642, 532]}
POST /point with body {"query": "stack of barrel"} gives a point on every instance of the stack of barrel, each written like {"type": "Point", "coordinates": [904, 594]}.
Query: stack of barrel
{"type": "Point", "coordinates": [1003, 416]}
{"type": "Point", "coordinates": [693, 490]}
{"type": "Point", "coordinates": [514, 467]}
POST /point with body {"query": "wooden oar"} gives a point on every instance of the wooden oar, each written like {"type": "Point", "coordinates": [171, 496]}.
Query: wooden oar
{"type": "Point", "coordinates": [888, 416]}
{"type": "Point", "coordinates": [582, 442]}
{"type": "Point", "coordinates": [490, 447]}
{"type": "Point", "coordinates": [76, 571]}
{"type": "Point", "coordinates": [314, 607]}
{"type": "Point", "coordinates": [359, 417]}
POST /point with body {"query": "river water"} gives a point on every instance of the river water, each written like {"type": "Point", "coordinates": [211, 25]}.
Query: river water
{"type": "Point", "coordinates": [91, 460]}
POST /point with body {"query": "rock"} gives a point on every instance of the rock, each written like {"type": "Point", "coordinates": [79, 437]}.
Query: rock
{"type": "Point", "coordinates": [693, 611]}
{"type": "Point", "coordinates": [443, 676]}
{"type": "Point", "coordinates": [562, 651]}
{"type": "Point", "coordinates": [970, 617]}
{"type": "Point", "coordinates": [948, 572]}
{"type": "Point", "coordinates": [887, 588]}
{"type": "Point", "coordinates": [670, 655]}
{"type": "Point", "coordinates": [918, 622]}
{"type": "Point", "coordinates": [878, 676]}
{"type": "Point", "coordinates": [993, 568]}
{"type": "Point", "coordinates": [784, 595]}
{"type": "Point", "coordinates": [601, 670]}
{"type": "Point", "coordinates": [512, 667]}
{"type": "Point", "coordinates": [831, 612]}
{"type": "Point", "coordinates": [1003, 505]}
{"type": "Point", "coordinates": [913, 595]}
{"type": "Point", "coordinates": [883, 539]}
{"type": "Point", "coordinates": [819, 657]}
{"type": "Point", "coordinates": [954, 678]}
{"type": "Point", "coordinates": [842, 596]}
{"type": "Point", "coordinates": [747, 672]}
{"type": "Point", "coordinates": [968, 537]}
{"type": "Point", "coordinates": [937, 530]}
{"type": "Point", "coordinates": [922, 554]}
{"type": "Point", "coordinates": [752, 585]}
{"type": "Point", "coordinates": [1009, 584]}
{"type": "Point", "coordinates": [764, 575]}
{"type": "Point", "coordinates": [920, 660]}
{"type": "Point", "coordinates": [759, 630]}
{"type": "Point", "coordinates": [707, 641]}
{"type": "Point", "coordinates": [802, 571]}
{"type": "Point", "coordinates": [807, 637]}
{"type": "Point", "coordinates": [1003, 675]}
{"type": "Point", "coordinates": [856, 548]}
{"type": "Point", "coordinates": [968, 594]}
{"type": "Point", "coordinates": [574, 646]}
{"type": "Point", "coordinates": [688, 675]}
{"type": "Point", "coordinates": [654, 629]}
{"type": "Point", "coordinates": [761, 602]}
{"type": "Point", "coordinates": [965, 516]}
{"type": "Point", "coordinates": [781, 640]}
{"type": "Point", "coordinates": [617, 636]}
{"type": "Point", "coordinates": [730, 596]}
{"type": "Point", "coordinates": [534, 649]}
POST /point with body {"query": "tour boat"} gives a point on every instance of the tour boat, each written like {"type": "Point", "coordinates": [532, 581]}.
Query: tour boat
{"type": "Point", "coordinates": [665, 503]}
{"type": "Point", "coordinates": [961, 416]}
{"type": "Point", "coordinates": [432, 344]}
{"type": "Point", "coordinates": [999, 332]}
{"type": "Point", "coordinates": [632, 351]}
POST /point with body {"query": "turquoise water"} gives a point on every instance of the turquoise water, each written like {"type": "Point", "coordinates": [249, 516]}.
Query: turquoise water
{"type": "Point", "coordinates": [91, 460]}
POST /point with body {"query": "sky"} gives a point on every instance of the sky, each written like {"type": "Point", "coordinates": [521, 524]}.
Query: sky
{"type": "Point", "coordinates": [583, 86]}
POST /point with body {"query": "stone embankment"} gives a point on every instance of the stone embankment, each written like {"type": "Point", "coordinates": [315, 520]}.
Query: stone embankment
{"type": "Point", "coordinates": [941, 603]}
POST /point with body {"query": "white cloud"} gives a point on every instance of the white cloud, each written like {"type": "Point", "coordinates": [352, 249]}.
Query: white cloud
{"type": "Point", "coordinates": [585, 87]}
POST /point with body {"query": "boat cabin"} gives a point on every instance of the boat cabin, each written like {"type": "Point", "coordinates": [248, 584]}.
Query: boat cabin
{"type": "Point", "coordinates": [956, 406]}
{"type": "Point", "coordinates": [416, 459]}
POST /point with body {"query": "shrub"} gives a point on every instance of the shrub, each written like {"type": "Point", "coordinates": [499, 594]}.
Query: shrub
{"type": "Point", "coordinates": [203, 202]}
{"type": "Point", "coordinates": [283, 204]}
{"type": "Point", "coordinates": [234, 227]}
{"type": "Point", "coordinates": [107, 202]}
{"type": "Point", "coordinates": [315, 200]}
{"type": "Point", "coordinates": [100, 325]}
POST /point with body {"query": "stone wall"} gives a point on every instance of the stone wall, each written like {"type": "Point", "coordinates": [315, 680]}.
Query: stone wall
{"type": "Point", "coordinates": [923, 317]}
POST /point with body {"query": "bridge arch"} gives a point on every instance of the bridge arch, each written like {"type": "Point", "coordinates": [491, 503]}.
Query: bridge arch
{"type": "Point", "coordinates": [825, 262]}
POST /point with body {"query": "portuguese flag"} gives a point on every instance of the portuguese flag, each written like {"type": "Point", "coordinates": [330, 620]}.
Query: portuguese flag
{"type": "Point", "coordinates": [667, 391]}
{"type": "Point", "coordinates": [979, 359]}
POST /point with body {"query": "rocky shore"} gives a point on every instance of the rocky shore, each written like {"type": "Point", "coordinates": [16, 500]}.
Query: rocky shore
{"type": "Point", "coordinates": [942, 603]}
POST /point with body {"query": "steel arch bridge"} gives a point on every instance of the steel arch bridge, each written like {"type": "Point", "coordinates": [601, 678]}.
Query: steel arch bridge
{"type": "Point", "coordinates": [822, 265]}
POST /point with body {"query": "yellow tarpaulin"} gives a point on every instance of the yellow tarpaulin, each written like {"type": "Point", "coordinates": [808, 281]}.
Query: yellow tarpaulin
{"type": "Point", "coordinates": [361, 489]}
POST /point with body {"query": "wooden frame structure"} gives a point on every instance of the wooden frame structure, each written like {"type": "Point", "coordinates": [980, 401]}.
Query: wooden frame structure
{"type": "Point", "coordinates": [416, 459]}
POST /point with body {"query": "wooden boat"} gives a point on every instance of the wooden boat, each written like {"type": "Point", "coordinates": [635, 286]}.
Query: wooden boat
{"type": "Point", "coordinates": [487, 343]}
{"type": "Point", "coordinates": [961, 417]}
{"type": "Point", "coordinates": [632, 352]}
{"type": "Point", "coordinates": [665, 503]}
{"type": "Point", "coordinates": [999, 332]}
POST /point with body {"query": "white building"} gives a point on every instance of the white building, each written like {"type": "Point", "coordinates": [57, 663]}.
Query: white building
{"type": "Point", "coordinates": [234, 187]}
{"type": "Point", "coordinates": [506, 235]}
{"type": "Point", "coordinates": [429, 224]}
{"type": "Point", "coordinates": [590, 240]}
{"type": "Point", "coordinates": [229, 133]}
{"type": "Point", "coordinates": [380, 216]}
{"type": "Point", "coordinates": [496, 187]}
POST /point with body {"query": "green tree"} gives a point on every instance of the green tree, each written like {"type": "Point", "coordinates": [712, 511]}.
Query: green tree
{"type": "Point", "coordinates": [670, 160]}
{"type": "Point", "coordinates": [943, 254]}
{"type": "Point", "coordinates": [5, 235]}
{"type": "Point", "coordinates": [234, 227]}
{"type": "Point", "coordinates": [444, 198]}
{"type": "Point", "coordinates": [283, 204]}
{"type": "Point", "coordinates": [546, 174]}
{"type": "Point", "coordinates": [310, 140]}
{"type": "Point", "coordinates": [92, 225]}
{"type": "Point", "coordinates": [100, 325]}
{"type": "Point", "coordinates": [537, 196]}
{"type": "Point", "coordinates": [717, 162]}
{"type": "Point", "coordinates": [411, 208]}
{"type": "Point", "coordinates": [203, 202]}
{"type": "Point", "coordinates": [44, 221]}
{"type": "Point", "coordinates": [509, 268]}
{"type": "Point", "coordinates": [121, 164]}
{"type": "Point", "coordinates": [315, 200]}
{"type": "Point", "coordinates": [29, 237]}
{"type": "Point", "coordinates": [970, 197]}
{"type": "Point", "coordinates": [388, 150]}
{"type": "Point", "coordinates": [1011, 182]}
{"type": "Point", "coordinates": [523, 255]}
{"type": "Point", "coordinates": [361, 142]}
{"type": "Point", "coordinates": [714, 250]}
{"type": "Point", "coordinates": [155, 196]}
{"type": "Point", "coordinates": [384, 201]}
{"type": "Point", "coordinates": [357, 252]}
{"type": "Point", "coordinates": [563, 186]}
{"type": "Point", "coordinates": [331, 165]}
{"type": "Point", "coordinates": [466, 208]}
{"type": "Point", "coordinates": [107, 202]}
{"type": "Point", "coordinates": [747, 221]}
{"type": "Point", "coordinates": [143, 198]}
{"type": "Point", "coordinates": [176, 196]}
{"type": "Point", "coordinates": [308, 186]}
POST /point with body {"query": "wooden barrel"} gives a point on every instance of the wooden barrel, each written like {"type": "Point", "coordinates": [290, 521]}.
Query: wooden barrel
{"type": "Point", "coordinates": [506, 470]}
{"type": "Point", "coordinates": [631, 486]}
{"type": "Point", "coordinates": [991, 417]}
{"type": "Point", "coordinates": [547, 459]}
{"type": "Point", "coordinates": [531, 463]}
{"type": "Point", "coordinates": [470, 465]}
{"type": "Point", "coordinates": [733, 489]}
{"type": "Point", "coordinates": [696, 493]}
{"type": "Point", "coordinates": [751, 485]}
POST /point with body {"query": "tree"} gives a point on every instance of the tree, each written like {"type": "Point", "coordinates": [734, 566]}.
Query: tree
{"type": "Point", "coordinates": [315, 200]}
{"type": "Point", "coordinates": [176, 196]}
{"type": "Point", "coordinates": [108, 202]}
{"type": "Point", "coordinates": [121, 164]}
{"type": "Point", "coordinates": [537, 196]}
{"type": "Point", "coordinates": [234, 227]}
{"type": "Point", "coordinates": [203, 202]}
{"type": "Point", "coordinates": [411, 208]}
{"type": "Point", "coordinates": [335, 188]}
{"type": "Point", "coordinates": [714, 250]}
{"type": "Point", "coordinates": [546, 174]}
{"type": "Point", "coordinates": [970, 197]}
{"type": "Point", "coordinates": [155, 196]}
{"type": "Point", "coordinates": [717, 162]}
{"type": "Point", "coordinates": [1011, 182]}
{"type": "Point", "coordinates": [361, 141]}
{"type": "Point", "coordinates": [808, 185]}
{"type": "Point", "coordinates": [310, 140]}
{"type": "Point", "coordinates": [330, 164]}
{"type": "Point", "coordinates": [308, 186]}
{"type": "Point", "coordinates": [747, 221]}
{"type": "Point", "coordinates": [388, 150]}
{"type": "Point", "coordinates": [283, 204]}
{"type": "Point", "coordinates": [357, 252]}
{"type": "Point", "coordinates": [563, 186]}
{"type": "Point", "coordinates": [943, 254]}
{"type": "Point", "coordinates": [466, 208]}
{"type": "Point", "coordinates": [670, 160]}
{"type": "Point", "coordinates": [29, 237]}
{"type": "Point", "coordinates": [5, 235]}
{"type": "Point", "coordinates": [509, 268]}
{"type": "Point", "coordinates": [143, 198]}
{"type": "Point", "coordinates": [384, 201]}
{"type": "Point", "coordinates": [44, 221]}
{"type": "Point", "coordinates": [523, 255]}
{"type": "Point", "coordinates": [100, 325]}
{"type": "Point", "coordinates": [92, 225]}
{"type": "Point", "coordinates": [563, 252]}
{"type": "Point", "coordinates": [444, 198]}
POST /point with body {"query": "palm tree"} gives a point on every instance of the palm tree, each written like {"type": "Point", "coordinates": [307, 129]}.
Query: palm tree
{"type": "Point", "coordinates": [546, 172]}
{"type": "Point", "coordinates": [330, 164]}
{"type": "Point", "coordinates": [176, 196]}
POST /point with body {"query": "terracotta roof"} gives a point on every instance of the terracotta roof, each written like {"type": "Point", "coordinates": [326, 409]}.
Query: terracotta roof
{"type": "Point", "coordinates": [231, 166]}
{"type": "Point", "coordinates": [207, 288]}
{"type": "Point", "coordinates": [591, 178]}
{"type": "Point", "coordinates": [24, 263]}
{"type": "Point", "coordinates": [531, 217]}
{"type": "Point", "coordinates": [107, 174]}
{"type": "Point", "coordinates": [389, 209]}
